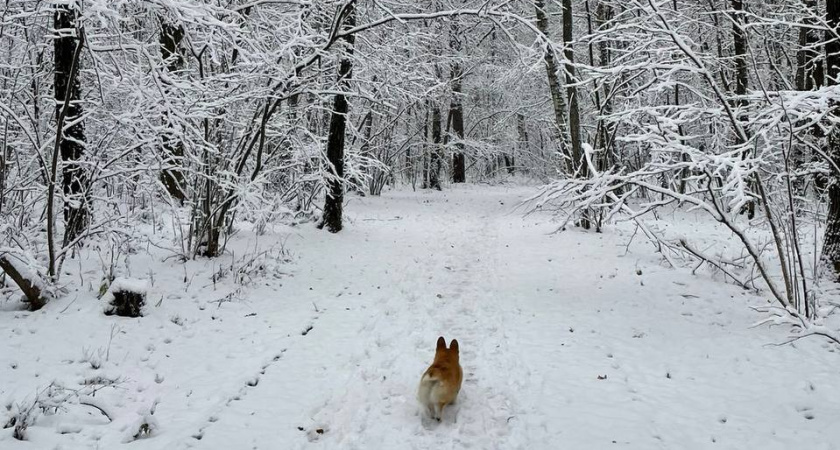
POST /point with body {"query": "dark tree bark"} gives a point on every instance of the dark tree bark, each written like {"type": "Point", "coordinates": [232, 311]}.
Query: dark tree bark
{"type": "Point", "coordinates": [740, 43]}
{"type": "Point", "coordinates": [578, 165]}
{"type": "Point", "coordinates": [602, 136]}
{"type": "Point", "coordinates": [810, 75]}
{"type": "Point", "coordinates": [456, 112]}
{"type": "Point", "coordinates": [522, 146]}
{"type": "Point", "coordinates": [75, 177]}
{"type": "Point", "coordinates": [831, 246]}
{"type": "Point", "coordinates": [809, 65]}
{"type": "Point", "coordinates": [554, 85]}
{"type": "Point", "coordinates": [30, 287]}
{"type": "Point", "coordinates": [333, 204]}
{"type": "Point", "coordinates": [742, 79]}
{"type": "Point", "coordinates": [172, 177]}
{"type": "Point", "coordinates": [603, 129]}
{"type": "Point", "coordinates": [432, 178]}
{"type": "Point", "coordinates": [684, 173]}
{"type": "Point", "coordinates": [604, 14]}
{"type": "Point", "coordinates": [719, 29]}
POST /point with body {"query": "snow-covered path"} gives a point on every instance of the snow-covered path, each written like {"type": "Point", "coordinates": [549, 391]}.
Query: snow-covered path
{"type": "Point", "coordinates": [568, 341]}
{"type": "Point", "coordinates": [541, 320]}
{"type": "Point", "coordinates": [413, 268]}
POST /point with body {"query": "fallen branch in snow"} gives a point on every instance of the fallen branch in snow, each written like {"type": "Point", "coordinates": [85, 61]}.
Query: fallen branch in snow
{"type": "Point", "coordinates": [31, 285]}
{"type": "Point", "coordinates": [95, 403]}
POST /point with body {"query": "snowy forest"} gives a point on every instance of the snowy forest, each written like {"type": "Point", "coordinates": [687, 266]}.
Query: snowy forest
{"type": "Point", "coordinates": [243, 224]}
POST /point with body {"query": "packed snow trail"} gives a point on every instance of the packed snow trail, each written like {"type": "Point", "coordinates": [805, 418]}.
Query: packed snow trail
{"type": "Point", "coordinates": [565, 343]}
{"type": "Point", "coordinates": [574, 340]}
{"type": "Point", "coordinates": [395, 281]}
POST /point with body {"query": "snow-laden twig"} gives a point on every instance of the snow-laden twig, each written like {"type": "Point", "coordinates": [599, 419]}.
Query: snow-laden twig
{"type": "Point", "coordinates": [803, 327]}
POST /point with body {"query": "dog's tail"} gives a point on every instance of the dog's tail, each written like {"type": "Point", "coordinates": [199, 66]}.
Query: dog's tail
{"type": "Point", "coordinates": [431, 376]}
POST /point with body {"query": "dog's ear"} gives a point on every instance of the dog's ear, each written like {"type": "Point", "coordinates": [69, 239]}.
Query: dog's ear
{"type": "Point", "coordinates": [441, 344]}
{"type": "Point", "coordinates": [454, 345]}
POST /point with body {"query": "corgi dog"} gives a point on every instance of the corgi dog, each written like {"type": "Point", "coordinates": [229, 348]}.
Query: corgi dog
{"type": "Point", "coordinates": [441, 382]}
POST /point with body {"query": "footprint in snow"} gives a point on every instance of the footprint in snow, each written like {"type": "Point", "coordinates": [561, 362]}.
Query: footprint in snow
{"type": "Point", "coordinates": [806, 412]}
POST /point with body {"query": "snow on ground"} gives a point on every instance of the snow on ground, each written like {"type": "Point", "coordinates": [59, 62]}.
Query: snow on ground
{"type": "Point", "coordinates": [568, 340]}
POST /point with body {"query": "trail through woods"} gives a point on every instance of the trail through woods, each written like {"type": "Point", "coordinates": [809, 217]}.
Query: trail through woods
{"type": "Point", "coordinates": [570, 340]}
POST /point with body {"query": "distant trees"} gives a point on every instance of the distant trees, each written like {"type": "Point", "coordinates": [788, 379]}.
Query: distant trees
{"type": "Point", "coordinates": [234, 111]}
{"type": "Point", "coordinates": [264, 111]}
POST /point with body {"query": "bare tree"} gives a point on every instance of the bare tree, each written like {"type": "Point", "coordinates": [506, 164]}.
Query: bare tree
{"type": "Point", "coordinates": [554, 85]}
{"type": "Point", "coordinates": [456, 118]}
{"type": "Point", "coordinates": [577, 167]}
{"type": "Point", "coordinates": [456, 107]}
{"type": "Point", "coordinates": [172, 52]}
{"type": "Point", "coordinates": [809, 61]}
{"type": "Point", "coordinates": [831, 245]}
{"type": "Point", "coordinates": [742, 79]}
{"type": "Point", "coordinates": [71, 140]}
{"type": "Point", "coordinates": [432, 176]}
{"type": "Point", "coordinates": [333, 204]}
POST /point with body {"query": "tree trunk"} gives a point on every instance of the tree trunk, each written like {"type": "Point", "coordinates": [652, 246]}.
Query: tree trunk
{"type": "Point", "coordinates": [521, 147]}
{"type": "Point", "coordinates": [554, 86]}
{"type": "Point", "coordinates": [831, 246]}
{"type": "Point", "coordinates": [172, 176]}
{"type": "Point", "coordinates": [684, 173]}
{"type": "Point", "coordinates": [333, 204]}
{"type": "Point", "coordinates": [28, 284]}
{"type": "Point", "coordinates": [740, 43]}
{"type": "Point", "coordinates": [433, 169]}
{"type": "Point", "coordinates": [75, 177]}
{"type": "Point", "coordinates": [809, 66]}
{"type": "Point", "coordinates": [810, 75]}
{"type": "Point", "coordinates": [456, 111]}
{"type": "Point", "coordinates": [604, 14]}
{"type": "Point", "coordinates": [739, 37]}
{"type": "Point", "coordinates": [578, 165]}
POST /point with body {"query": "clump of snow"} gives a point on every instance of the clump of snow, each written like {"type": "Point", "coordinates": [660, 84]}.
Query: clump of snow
{"type": "Point", "coordinates": [316, 432]}
{"type": "Point", "coordinates": [125, 297]}
{"type": "Point", "coordinates": [144, 427]}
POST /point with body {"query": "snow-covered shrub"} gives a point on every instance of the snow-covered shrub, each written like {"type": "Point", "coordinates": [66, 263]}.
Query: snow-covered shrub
{"type": "Point", "coordinates": [125, 297]}
{"type": "Point", "coordinates": [21, 417]}
{"type": "Point", "coordinates": [48, 401]}
{"type": "Point", "coordinates": [144, 427]}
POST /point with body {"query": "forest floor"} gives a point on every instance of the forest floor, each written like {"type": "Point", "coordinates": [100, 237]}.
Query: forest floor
{"type": "Point", "coordinates": [573, 340]}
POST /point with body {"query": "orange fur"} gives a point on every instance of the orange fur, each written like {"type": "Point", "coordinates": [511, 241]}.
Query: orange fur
{"type": "Point", "coordinates": [440, 384]}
